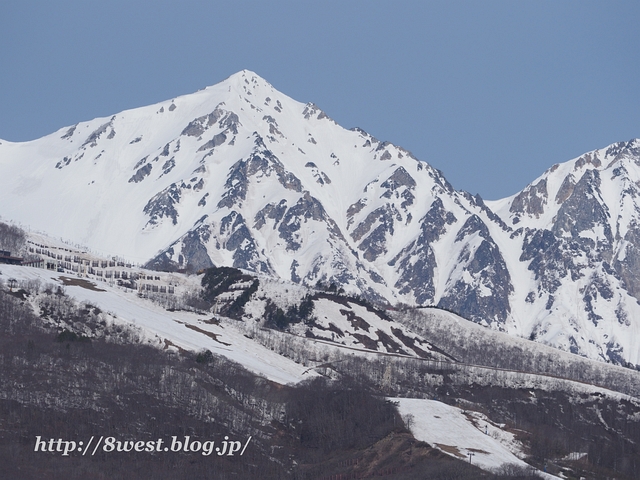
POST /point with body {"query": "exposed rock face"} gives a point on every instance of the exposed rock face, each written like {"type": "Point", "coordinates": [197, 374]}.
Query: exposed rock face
{"type": "Point", "coordinates": [486, 297]}
{"type": "Point", "coordinates": [400, 178]}
{"type": "Point", "coordinates": [164, 205]}
{"type": "Point", "coordinates": [566, 190]}
{"type": "Point", "coordinates": [262, 163]}
{"type": "Point", "coordinates": [583, 210]}
{"type": "Point", "coordinates": [194, 250]}
{"type": "Point", "coordinates": [531, 200]}
{"type": "Point", "coordinates": [306, 208]}
{"type": "Point", "coordinates": [141, 173]}
{"type": "Point", "coordinates": [225, 120]}
{"type": "Point", "coordinates": [92, 139]}
{"type": "Point", "coordinates": [236, 237]}
{"type": "Point", "coordinates": [417, 261]}
{"type": "Point", "coordinates": [216, 141]}
{"type": "Point", "coordinates": [374, 244]}
{"type": "Point", "coordinates": [270, 211]}
{"type": "Point", "coordinates": [627, 264]}
{"type": "Point", "coordinates": [188, 254]}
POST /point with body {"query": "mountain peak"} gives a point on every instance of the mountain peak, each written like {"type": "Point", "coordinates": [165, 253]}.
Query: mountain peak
{"type": "Point", "coordinates": [245, 81]}
{"type": "Point", "coordinates": [244, 74]}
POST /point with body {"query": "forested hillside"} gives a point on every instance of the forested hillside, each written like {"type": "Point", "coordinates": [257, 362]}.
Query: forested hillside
{"type": "Point", "coordinates": [57, 384]}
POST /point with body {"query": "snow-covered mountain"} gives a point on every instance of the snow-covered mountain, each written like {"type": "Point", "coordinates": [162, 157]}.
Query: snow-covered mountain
{"type": "Point", "coordinates": [241, 175]}
{"type": "Point", "coordinates": [577, 231]}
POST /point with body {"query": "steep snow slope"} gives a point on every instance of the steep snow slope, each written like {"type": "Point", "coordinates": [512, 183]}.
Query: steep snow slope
{"type": "Point", "coordinates": [576, 232]}
{"type": "Point", "coordinates": [239, 174]}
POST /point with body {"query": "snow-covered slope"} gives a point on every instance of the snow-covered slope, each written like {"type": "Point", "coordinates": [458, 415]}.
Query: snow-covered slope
{"type": "Point", "coordinates": [466, 435]}
{"type": "Point", "coordinates": [577, 233]}
{"type": "Point", "coordinates": [239, 174]}
{"type": "Point", "coordinates": [178, 329]}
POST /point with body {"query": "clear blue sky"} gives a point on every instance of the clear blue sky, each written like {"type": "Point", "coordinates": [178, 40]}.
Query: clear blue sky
{"type": "Point", "coordinates": [490, 92]}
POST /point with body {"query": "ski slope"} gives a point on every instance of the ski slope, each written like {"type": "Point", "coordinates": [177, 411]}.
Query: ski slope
{"type": "Point", "coordinates": [464, 435]}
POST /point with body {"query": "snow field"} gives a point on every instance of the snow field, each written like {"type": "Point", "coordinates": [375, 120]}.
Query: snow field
{"type": "Point", "coordinates": [460, 434]}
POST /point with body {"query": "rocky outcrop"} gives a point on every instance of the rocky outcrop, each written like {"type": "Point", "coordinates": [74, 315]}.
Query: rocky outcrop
{"type": "Point", "coordinates": [484, 297]}
{"type": "Point", "coordinates": [417, 261]}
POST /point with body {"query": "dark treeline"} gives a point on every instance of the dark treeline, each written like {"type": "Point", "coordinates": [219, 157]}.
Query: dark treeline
{"type": "Point", "coordinates": [12, 238]}
{"type": "Point", "coordinates": [58, 387]}
{"type": "Point", "coordinates": [73, 375]}
{"type": "Point", "coordinates": [276, 317]}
